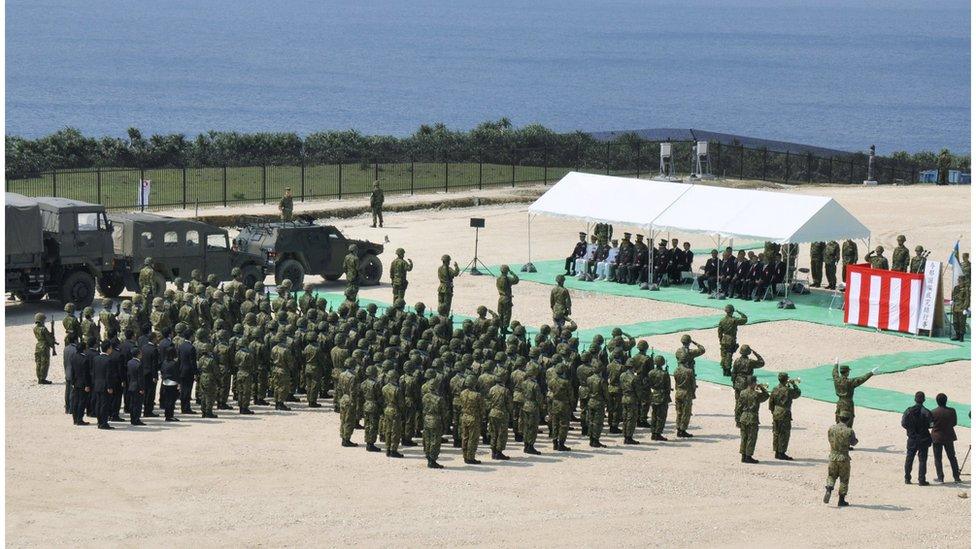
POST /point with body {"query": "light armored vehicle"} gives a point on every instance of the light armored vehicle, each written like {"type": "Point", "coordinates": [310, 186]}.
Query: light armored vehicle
{"type": "Point", "coordinates": [292, 249]}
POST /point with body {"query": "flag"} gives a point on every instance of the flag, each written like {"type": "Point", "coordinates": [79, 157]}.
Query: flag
{"type": "Point", "coordinates": [956, 265]}
{"type": "Point", "coordinates": [887, 300]}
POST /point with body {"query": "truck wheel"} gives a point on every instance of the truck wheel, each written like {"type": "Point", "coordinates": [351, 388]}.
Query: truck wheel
{"type": "Point", "coordinates": [249, 275]}
{"type": "Point", "coordinates": [332, 277]}
{"type": "Point", "coordinates": [110, 285]}
{"type": "Point", "coordinates": [370, 270]}
{"type": "Point", "coordinates": [78, 288]}
{"type": "Point", "coordinates": [159, 284]}
{"type": "Point", "coordinates": [292, 270]}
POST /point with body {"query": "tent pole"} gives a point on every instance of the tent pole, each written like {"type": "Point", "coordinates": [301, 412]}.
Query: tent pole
{"type": "Point", "coordinates": [529, 267]}
{"type": "Point", "coordinates": [786, 278]}
{"type": "Point", "coordinates": [650, 258]}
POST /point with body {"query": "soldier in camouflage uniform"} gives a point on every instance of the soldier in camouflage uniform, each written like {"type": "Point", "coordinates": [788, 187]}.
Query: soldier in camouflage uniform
{"type": "Point", "coordinates": [499, 403]}
{"type": "Point", "coordinates": [246, 361]}
{"type": "Point", "coordinates": [781, 405]}
{"type": "Point", "coordinates": [314, 369]}
{"type": "Point", "coordinates": [42, 349]}
{"type": "Point", "coordinates": [504, 284]}
{"type": "Point", "coordinates": [831, 257]}
{"type": "Point", "coordinates": [660, 383]}
{"type": "Point", "coordinates": [147, 279]}
{"type": "Point", "coordinates": [685, 353]}
{"type": "Point", "coordinates": [392, 415]}
{"type": "Point", "coordinates": [410, 385]}
{"type": "Point", "coordinates": [684, 395]}
{"type": "Point", "coordinates": [817, 251]}
{"type": "Point", "coordinates": [347, 403]}
{"type": "Point", "coordinates": [445, 291]}
{"type": "Point", "coordinates": [742, 370]}
{"type": "Point", "coordinates": [917, 263]}
{"type": "Point", "coordinates": [399, 268]}
{"type": "Point", "coordinates": [900, 256]}
{"type": "Point", "coordinates": [434, 407]}
{"type": "Point", "coordinates": [844, 388]}
{"type": "Point", "coordinates": [207, 363]}
{"type": "Point", "coordinates": [561, 392]}
{"type": "Point", "coordinates": [350, 265]}
{"type": "Point", "coordinates": [960, 304]}
{"type": "Point", "coordinates": [106, 319]}
{"type": "Point", "coordinates": [841, 438]}
{"type": "Point", "coordinates": [224, 351]}
{"type": "Point", "coordinates": [596, 403]}
{"type": "Point", "coordinates": [614, 410]}
{"type": "Point", "coordinates": [531, 408]}
{"type": "Point", "coordinates": [371, 389]}
{"type": "Point", "coordinates": [286, 205]}
{"type": "Point", "coordinates": [629, 401]}
{"type": "Point", "coordinates": [70, 323]}
{"type": "Point", "coordinates": [728, 330]}
{"type": "Point", "coordinates": [89, 327]}
{"type": "Point", "coordinates": [877, 258]}
{"type": "Point", "coordinates": [472, 411]}
{"type": "Point", "coordinates": [283, 360]}
{"type": "Point", "coordinates": [848, 255]}
{"type": "Point", "coordinates": [751, 397]}
{"type": "Point", "coordinates": [376, 203]}
{"type": "Point", "coordinates": [560, 302]}
{"type": "Point", "coordinates": [158, 317]}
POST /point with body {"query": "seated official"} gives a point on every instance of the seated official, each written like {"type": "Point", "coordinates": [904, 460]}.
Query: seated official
{"type": "Point", "coordinates": [709, 273]}
{"type": "Point", "coordinates": [637, 270]}
{"type": "Point", "coordinates": [682, 261]}
{"type": "Point", "coordinates": [583, 263]}
{"type": "Point", "coordinates": [578, 252]}
{"type": "Point", "coordinates": [605, 263]}
{"type": "Point", "coordinates": [740, 282]}
{"type": "Point", "coordinates": [619, 271]}
{"type": "Point", "coordinates": [726, 271]}
{"type": "Point", "coordinates": [663, 260]}
{"type": "Point", "coordinates": [766, 276]}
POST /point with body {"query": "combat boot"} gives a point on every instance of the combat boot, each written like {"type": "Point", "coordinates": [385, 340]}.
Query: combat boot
{"type": "Point", "coordinates": [518, 437]}
{"type": "Point", "coordinates": [494, 454]}
{"type": "Point", "coordinates": [346, 443]}
{"type": "Point", "coordinates": [826, 498]}
{"type": "Point", "coordinates": [842, 501]}
{"type": "Point", "coordinates": [630, 440]}
{"type": "Point", "coordinates": [502, 456]}
{"type": "Point", "coordinates": [561, 446]}
{"type": "Point", "coordinates": [261, 402]}
{"type": "Point", "coordinates": [748, 459]}
{"type": "Point", "coordinates": [222, 406]}
{"type": "Point", "coordinates": [584, 430]}
{"type": "Point", "coordinates": [314, 405]}
{"type": "Point", "coordinates": [644, 423]}
{"type": "Point", "coordinates": [555, 445]}
{"type": "Point", "coordinates": [615, 430]}
{"type": "Point", "coordinates": [432, 464]}
{"type": "Point", "coordinates": [598, 444]}
{"type": "Point", "coordinates": [395, 454]}
{"type": "Point", "coordinates": [408, 443]}
{"type": "Point", "coordinates": [370, 447]}
{"type": "Point", "coordinates": [530, 449]}
{"type": "Point", "coordinates": [246, 411]}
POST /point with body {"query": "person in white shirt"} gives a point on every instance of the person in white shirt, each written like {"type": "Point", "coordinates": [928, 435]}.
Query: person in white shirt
{"type": "Point", "coordinates": [582, 264]}
{"type": "Point", "coordinates": [603, 267]}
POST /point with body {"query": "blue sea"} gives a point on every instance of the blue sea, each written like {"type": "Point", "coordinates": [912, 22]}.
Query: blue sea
{"type": "Point", "coordinates": [835, 73]}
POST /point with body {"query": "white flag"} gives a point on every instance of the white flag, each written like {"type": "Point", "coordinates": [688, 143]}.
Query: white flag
{"type": "Point", "coordinates": [956, 265]}
{"type": "Point", "coordinates": [143, 200]}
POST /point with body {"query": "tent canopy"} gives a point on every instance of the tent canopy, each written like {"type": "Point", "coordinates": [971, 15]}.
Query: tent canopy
{"type": "Point", "coordinates": [682, 207]}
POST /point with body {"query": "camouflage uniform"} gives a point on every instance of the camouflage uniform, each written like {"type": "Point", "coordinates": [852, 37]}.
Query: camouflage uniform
{"type": "Point", "coordinates": [817, 250]}
{"type": "Point", "coordinates": [849, 255]}
{"type": "Point", "coordinates": [900, 256]}
{"type": "Point", "coordinates": [434, 406]}
{"type": "Point", "coordinates": [147, 280]}
{"type": "Point", "coordinates": [728, 329]}
{"type": "Point", "coordinates": [314, 371]}
{"type": "Point", "coordinates": [245, 360]}
{"type": "Point", "coordinates": [371, 389]}
{"type": "Point", "coordinates": [350, 264]}
{"type": "Point", "coordinates": [207, 364]}
{"type": "Point", "coordinates": [750, 397]}
{"type": "Point", "coordinates": [596, 406]}
{"type": "Point", "coordinates": [560, 302]}
{"type": "Point", "coordinates": [781, 405]}
{"type": "Point", "coordinates": [960, 303]}
{"type": "Point", "coordinates": [472, 411]}
{"type": "Point", "coordinates": [107, 320]}
{"type": "Point", "coordinates": [42, 349]}
{"type": "Point", "coordinates": [660, 383]}
{"type": "Point", "coordinates": [392, 415]}
{"type": "Point", "coordinates": [499, 403]}
{"type": "Point", "coordinates": [561, 393]}
{"type": "Point", "coordinates": [283, 361]}
{"type": "Point", "coordinates": [844, 388]}
{"type": "Point", "coordinates": [445, 291]}
{"type": "Point", "coordinates": [286, 206]}
{"type": "Point", "coordinates": [531, 404]}
{"type": "Point", "coordinates": [742, 370]}
{"type": "Point", "coordinates": [630, 403]}
{"type": "Point", "coordinates": [684, 395]}
{"type": "Point", "coordinates": [504, 284]}
{"type": "Point", "coordinates": [70, 322]}
{"type": "Point", "coordinates": [347, 403]}
{"type": "Point", "coordinates": [841, 438]}
{"type": "Point", "coordinates": [376, 203]}
{"type": "Point", "coordinates": [399, 268]}
{"type": "Point", "coordinates": [225, 353]}
{"type": "Point", "coordinates": [877, 259]}
{"type": "Point", "coordinates": [831, 257]}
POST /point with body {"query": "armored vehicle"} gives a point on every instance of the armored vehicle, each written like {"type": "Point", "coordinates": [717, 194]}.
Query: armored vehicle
{"type": "Point", "coordinates": [292, 249]}
{"type": "Point", "coordinates": [177, 247]}
{"type": "Point", "coordinates": [56, 247]}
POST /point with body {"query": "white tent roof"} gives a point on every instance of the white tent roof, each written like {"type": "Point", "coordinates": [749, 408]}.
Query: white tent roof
{"type": "Point", "coordinates": [681, 207]}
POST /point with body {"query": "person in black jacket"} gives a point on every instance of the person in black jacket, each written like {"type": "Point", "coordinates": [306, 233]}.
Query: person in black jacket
{"type": "Point", "coordinates": [91, 351]}
{"type": "Point", "coordinates": [70, 350]}
{"type": "Point", "coordinates": [726, 272]}
{"type": "Point", "coordinates": [741, 283]}
{"type": "Point", "coordinates": [127, 348]}
{"type": "Point", "coordinates": [150, 364]}
{"type": "Point", "coordinates": [81, 383]}
{"type": "Point", "coordinates": [105, 377]}
{"type": "Point", "coordinates": [169, 373]}
{"type": "Point", "coordinates": [917, 420]}
{"type": "Point", "coordinates": [135, 377]}
{"type": "Point", "coordinates": [706, 281]}
{"type": "Point", "coordinates": [165, 344]}
{"type": "Point", "coordinates": [188, 368]}
{"type": "Point", "coordinates": [578, 252]}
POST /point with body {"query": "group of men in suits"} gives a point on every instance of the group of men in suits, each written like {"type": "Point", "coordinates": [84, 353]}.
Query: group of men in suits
{"type": "Point", "coordinates": [744, 275]}
{"type": "Point", "coordinates": [626, 261]}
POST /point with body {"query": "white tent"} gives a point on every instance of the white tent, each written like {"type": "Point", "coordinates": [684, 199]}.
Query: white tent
{"type": "Point", "coordinates": [656, 206]}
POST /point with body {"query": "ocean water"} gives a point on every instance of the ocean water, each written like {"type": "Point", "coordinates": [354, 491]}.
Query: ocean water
{"type": "Point", "coordinates": [834, 73]}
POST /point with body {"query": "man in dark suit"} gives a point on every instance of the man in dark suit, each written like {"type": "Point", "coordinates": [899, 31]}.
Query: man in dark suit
{"type": "Point", "coordinates": [944, 437]}
{"type": "Point", "coordinates": [91, 351]}
{"type": "Point", "coordinates": [779, 270]}
{"type": "Point", "coordinates": [165, 344]}
{"type": "Point", "coordinates": [105, 377]}
{"type": "Point", "coordinates": [135, 378]}
{"type": "Point", "coordinates": [188, 368]}
{"type": "Point", "coordinates": [687, 261]}
{"type": "Point", "coordinates": [81, 383]}
{"type": "Point", "coordinates": [726, 272]}
{"type": "Point", "coordinates": [740, 282]}
{"type": "Point", "coordinates": [169, 373]}
{"type": "Point", "coordinates": [765, 278]}
{"type": "Point", "coordinates": [150, 366]}
{"type": "Point", "coordinates": [578, 252]}
{"type": "Point", "coordinates": [127, 348]}
{"type": "Point", "coordinates": [916, 421]}
{"type": "Point", "coordinates": [706, 280]}
{"type": "Point", "coordinates": [70, 350]}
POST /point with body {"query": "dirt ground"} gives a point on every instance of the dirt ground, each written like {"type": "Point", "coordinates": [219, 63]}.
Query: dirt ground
{"type": "Point", "coordinates": [281, 478]}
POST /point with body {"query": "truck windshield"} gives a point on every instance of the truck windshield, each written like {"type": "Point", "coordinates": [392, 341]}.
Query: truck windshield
{"type": "Point", "coordinates": [91, 221]}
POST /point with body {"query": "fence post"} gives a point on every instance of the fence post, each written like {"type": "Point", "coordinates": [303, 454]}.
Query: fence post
{"type": "Point", "coordinates": [742, 154]}
{"type": "Point", "coordinates": [850, 178]}
{"type": "Point", "coordinates": [264, 184]}
{"type": "Point", "coordinates": [445, 175]}
{"type": "Point", "coordinates": [513, 167]}
{"type": "Point", "coordinates": [481, 165]}
{"type": "Point", "coordinates": [809, 167]}
{"type": "Point", "coordinates": [98, 184]}
{"type": "Point", "coordinates": [303, 179]}
{"type": "Point", "coordinates": [913, 180]}
{"type": "Point", "coordinates": [787, 178]}
{"type": "Point", "coordinates": [576, 167]}
{"type": "Point", "coordinates": [608, 158]}
{"type": "Point", "coordinates": [765, 158]}
{"type": "Point", "coordinates": [224, 185]}
{"type": "Point", "coordinates": [142, 177]}
{"type": "Point", "coordinates": [830, 169]}
{"type": "Point", "coordinates": [54, 183]}
{"type": "Point", "coordinates": [184, 187]}
{"type": "Point", "coordinates": [545, 165]}
{"type": "Point", "coordinates": [412, 170]}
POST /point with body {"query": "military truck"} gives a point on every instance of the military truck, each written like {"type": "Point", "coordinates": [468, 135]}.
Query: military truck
{"type": "Point", "coordinates": [292, 249]}
{"type": "Point", "coordinates": [56, 247]}
{"type": "Point", "coordinates": [177, 247]}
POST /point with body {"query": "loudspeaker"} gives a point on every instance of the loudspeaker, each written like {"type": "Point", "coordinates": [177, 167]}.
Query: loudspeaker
{"type": "Point", "coordinates": [478, 222]}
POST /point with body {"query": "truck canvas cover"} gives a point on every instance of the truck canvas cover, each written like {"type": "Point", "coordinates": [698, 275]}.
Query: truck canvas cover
{"type": "Point", "coordinates": [23, 223]}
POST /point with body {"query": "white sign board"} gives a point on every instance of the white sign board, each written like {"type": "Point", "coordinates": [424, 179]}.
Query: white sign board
{"type": "Point", "coordinates": [143, 199]}
{"type": "Point", "coordinates": [665, 150]}
{"type": "Point", "coordinates": [703, 148]}
{"type": "Point", "coordinates": [930, 290]}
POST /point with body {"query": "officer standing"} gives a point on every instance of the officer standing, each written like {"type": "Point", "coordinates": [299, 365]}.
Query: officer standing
{"type": "Point", "coordinates": [841, 438]}
{"type": "Point", "coordinates": [728, 331]}
{"type": "Point", "coordinates": [147, 279]}
{"type": "Point", "coordinates": [376, 203]}
{"type": "Point", "coordinates": [350, 264]}
{"type": "Point", "coordinates": [445, 291]}
{"type": "Point", "coordinates": [42, 350]}
{"type": "Point", "coordinates": [844, 388]}
{"type": "Point", "coordinates": [399, 268]}
{"type": "Point", "coordinates": [286, 205]}
{"type": "Point", "coordinates": [506, 279]}
{"type": "Point", "coordinates": [960, 307]}
{"type": "Point", "coordinates": [830, 258]}
{"type": "Point", "coordinates": [817, 252]}
{"type": "Point", "coordinates": [742, 370]}
{"type": "Point", "coordinates": [660, 383]}
{"type": "Point", "coordinates": [781, 404]}
{"type": "Point", "coordinates": [900, 255]}
{"type": "Point", "coordinates": [750, 398]}
{"type": "Point", "coordinates": [877, 259]}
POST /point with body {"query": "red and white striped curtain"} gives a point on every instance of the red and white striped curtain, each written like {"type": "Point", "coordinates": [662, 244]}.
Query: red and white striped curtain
{"type": "Point", "coordinates": [888, 300]}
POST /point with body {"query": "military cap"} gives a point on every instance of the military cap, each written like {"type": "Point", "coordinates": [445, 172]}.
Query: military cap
{"type": "Point", "coordinates": [147, 261]}
{"type": "Point", "coordinates": [745, 349]}
{"type": "Point", "coordinates": [582, 233]}
{"type": "Point", "coordinates": [639, 236]}
{"type": "Point", "coordinates": [919, 248]}
{"type": "Point", "coordinates": [783, 376]}
{"type": "Point", "coordinates": [729, 308]}
{"type": "Point", "coordinates": [504, 268]}
{"type": "Point", "coordinates": [69, 308]}
{"type": "Point", "coordinates": [39, 317]}
{"type": "Point", "coordinates": [663, 242]}
{"type": "Point", "coordinates": [844, 368]}
{"type": "Point", "coordinates": [626, 235]}
{"type": "Point", "coordinates": [685, 339]}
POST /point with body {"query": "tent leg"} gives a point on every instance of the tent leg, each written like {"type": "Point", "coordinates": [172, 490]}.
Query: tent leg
{"type": "Point", "coordinates": [650, 285]}
{"type": "Point", "coordinates": [529, 267]}
{"type": "Point", "coordinates": [786, 303]}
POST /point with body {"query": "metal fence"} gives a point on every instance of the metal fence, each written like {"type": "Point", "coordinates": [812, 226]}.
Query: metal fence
{"type": "Point", "coordinates": [186, 187]}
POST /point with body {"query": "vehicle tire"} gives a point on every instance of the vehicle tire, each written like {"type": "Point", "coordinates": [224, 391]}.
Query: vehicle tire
{"type": "Point", "coordinates": [159, 284]}
{"type": "Point", "coordinates": [370, 270]}
{"type": "Point", "coordinates": [78, 288]}
{"type": "Point", "coordinates": [292, 270]}
{"type": "Point", "coordinates": [249, 275]}
{"type": "Point", "coordinates": [332, 277]}
{"type": "Point", "coordinates": [110, 285]}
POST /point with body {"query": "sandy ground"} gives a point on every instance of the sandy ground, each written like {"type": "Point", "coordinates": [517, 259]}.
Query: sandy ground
{"type": "Point", "coordinates": [280, 478]}
{"type": "Point", "coordinates": [932, 380]}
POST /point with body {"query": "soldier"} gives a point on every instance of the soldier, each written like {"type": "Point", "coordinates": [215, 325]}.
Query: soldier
{"type": "Point", "coordinates": [314, 369]}
{"type": "Point", "coordinates": [849, 255]}
{"type": "Point", "coordinates": [596, 403]}
{"type": "Point", "coordinates": [350, 264]}
{"type": "Point", "coordinates": [781, 405]}
{"type": "Point", "coordinates": [410, 386]}
{"type": "Point", "coordinates": [504, 284]}
{"type": "Point", "coordinates": [392, 415]}
{"type": "Point", "coordinates": [579, 250]}
{"type": "Point", "coordinates": [943, 163]}
{"type": "Point", "coordinates": [89, 328]}
{"type": "Point", "coordinates": [877, 258]}
{"type": "Point", "coordinates": [751, 397]}
{"type": "Point", "coordinates": [147, 279]}
{"type": "Point", "coordinates": [614, 370]}
{"type": "Point", "coordinates": [224, 351]}
{"type": "Point", "coordinates": [376, 203]}
{"type": "Point", "coordinates": [917, 263]}
{"type": "Point", "coordinates": [960, 308]}
{"type": "Point", "coordinates": [728, 330]}
{"type": "Point", "coordinates": [283, 361]}
{"type": "Point", "coordinates": [445, 291]}
{"type": "Point", "coordinates": [844, 388]}
{"type": "Point", "coordinates": [499, 402]}
{"type": "Point", "coordinates": [399, 268]}
{"type": "Point", "coordinates": [70, 323]}
{"type": "Point", "coordinates": [817, 252]}
{"type": "Point", "coordinates": [900, 255]}
{"type": "Point", "coordinates": [347, 403]}
{"type": "Point", "coordinates": [286, 205]}
{"type": "Point", "coordinates": [629, 401]}
{"type": "Point", "coordinates": [42, 350]}
{"type": "Point", "coordinates": [841, 438]}
{"type": "Point", "coordinates": [561, 393]}
{"type": "Point", "coordinates": [371, 389]}
{"type": "Point", "coordinates": [685, 353]}
{"type": "Point", "coordinates": [831, 257]}
{"type": "Point", "coordinates": [246, 361]}
{"type": "Point", "coordinates": [742, 370]}
{"type": "Point", "coordinates": [531, 405]}
{"type": "Point", "coordinates": [207, 363]}
{"type": "Point", "coordinates": [434, 407]}
{"type": "Point", "coordinates": [660, 383]}
{"type": "Point", "coordinates": [472, 410]}
{"type": "Point", "coordinates": [684, 395]}
{"type": "Point", "coordinates": [560, 302]}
